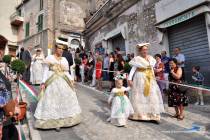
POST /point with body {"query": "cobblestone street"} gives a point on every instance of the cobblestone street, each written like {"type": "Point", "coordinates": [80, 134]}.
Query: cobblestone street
{"type": "Point", "coordinates": [94, 125]}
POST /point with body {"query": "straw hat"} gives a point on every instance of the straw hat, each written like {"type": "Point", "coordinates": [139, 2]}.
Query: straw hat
{"type": "Point", "coordinates": [139, 46]}
{"type": "Point", "coordinates": [62, 44]}
{"type": "Point", "coordinates": [38, 49]}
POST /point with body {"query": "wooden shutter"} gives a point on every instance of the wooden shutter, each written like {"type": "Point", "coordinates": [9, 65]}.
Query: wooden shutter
{"type": "Point", "coordinates": [40, 22]}
{"type": "Point", "coordinates": [27, 29]}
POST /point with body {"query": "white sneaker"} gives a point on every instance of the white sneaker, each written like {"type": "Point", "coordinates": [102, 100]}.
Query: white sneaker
{"type": "Point", "coordinates": [202, 103]}
{"type": "Point", "coordinates": [92, 85]}
{"type": "Point", "coordinates": [109, 119]}
{"type": "Point", "coordinates": [197, 103]}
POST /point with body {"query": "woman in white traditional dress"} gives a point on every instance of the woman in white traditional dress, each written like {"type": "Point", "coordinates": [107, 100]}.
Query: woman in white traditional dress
{"type": "Point", "coordinates": [58, 105]}
{"type": "Point", "coordinates": [146, 96]}
{"type": "Point", "coordinates": [121, 107]}
{"type": "Point", "coordinates": [37, 67]}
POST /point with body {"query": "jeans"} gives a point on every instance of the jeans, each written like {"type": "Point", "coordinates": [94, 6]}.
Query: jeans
{"type": "Point", "coordinates": [105, 75]}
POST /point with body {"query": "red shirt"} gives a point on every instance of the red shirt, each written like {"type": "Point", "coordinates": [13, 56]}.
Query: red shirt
{"type": "Point", "coordinates": [98, 70]}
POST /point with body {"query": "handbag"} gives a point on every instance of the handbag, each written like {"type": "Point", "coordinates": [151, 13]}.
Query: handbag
{"type": "Point", "coordinates": [9, 107]}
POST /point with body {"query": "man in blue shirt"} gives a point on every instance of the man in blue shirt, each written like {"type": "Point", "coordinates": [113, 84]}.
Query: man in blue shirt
{"type": "Point", "coordinates": [165, 59]}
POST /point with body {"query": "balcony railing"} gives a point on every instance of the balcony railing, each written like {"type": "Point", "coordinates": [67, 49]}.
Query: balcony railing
{"type": "Point", "coordinates": [100, 12]}
{"type": "Point", "coordinates": [16, 19]}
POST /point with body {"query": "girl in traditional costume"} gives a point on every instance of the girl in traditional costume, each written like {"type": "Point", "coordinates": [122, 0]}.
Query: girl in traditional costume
{"type": "Point", "coordinates": [121, 107]}
{"type": "Point", "coordinates": [58, 105]}
{"type": "Point", "coordinates": [37, 67]}
{"type": "Point", "coordinates": [146, 96]}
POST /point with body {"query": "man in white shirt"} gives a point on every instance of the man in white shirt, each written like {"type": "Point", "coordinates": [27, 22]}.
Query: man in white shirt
{"type": "Point", "coordinates": [106, 68]}
{"type": "Point", "coordinates": [181, 60]}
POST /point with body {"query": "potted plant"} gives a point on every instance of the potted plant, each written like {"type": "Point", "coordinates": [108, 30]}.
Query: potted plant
{"type": "Point", "coordinates": [19, 67]}
{"type": "Point", "coordinates": [7, 59]}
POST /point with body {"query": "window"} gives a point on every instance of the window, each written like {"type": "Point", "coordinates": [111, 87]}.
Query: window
{"type": "Point", "coordinates": [41, 5]}
{"type": "Point", "coordinates": [75, 42]}
{"type": "Point", "coordinates": [27, 29]}
{"type": "Point", "coordinates": [40, 23]}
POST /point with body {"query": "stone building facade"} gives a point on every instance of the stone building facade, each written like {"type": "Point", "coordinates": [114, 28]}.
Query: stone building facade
{"type": "Point", "coordinates": [123, 22]}
{"type": "Point", "coordinates": [165, 24]}
{"type": "Point", "coordinates": [8, 33]}
{"type": "Point", "coordinates": [46, 21]}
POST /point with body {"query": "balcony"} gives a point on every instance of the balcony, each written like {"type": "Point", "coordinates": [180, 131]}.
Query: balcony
{"type": "Point", "coordinates": [101, 11]}
{"type": "Point", "coordinates": [16, 19]}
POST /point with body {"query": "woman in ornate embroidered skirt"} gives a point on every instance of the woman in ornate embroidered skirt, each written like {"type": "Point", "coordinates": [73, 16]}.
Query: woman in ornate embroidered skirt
{"type": "Point", "coordinates": [146, 97]}
{"type": "Point", "coordinates": [58, 105]}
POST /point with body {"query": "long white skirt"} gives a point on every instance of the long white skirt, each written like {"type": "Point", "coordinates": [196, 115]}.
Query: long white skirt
{"type": "Point", "coordinates": [119, 115]}
{"type": "Point", "coordinates": [36, 72]}
{"type": "Point", "coordinates": [58, 107]}
{"type": "Point", "coordinates": [146, 107]}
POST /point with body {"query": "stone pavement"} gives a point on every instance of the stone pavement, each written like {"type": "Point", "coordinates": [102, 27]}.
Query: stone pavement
{"type": "Point", "coordinates": [94, 125]}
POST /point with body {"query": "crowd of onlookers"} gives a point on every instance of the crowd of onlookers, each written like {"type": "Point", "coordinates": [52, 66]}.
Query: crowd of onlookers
{"type": "Point", "coordinates": [99, 66]}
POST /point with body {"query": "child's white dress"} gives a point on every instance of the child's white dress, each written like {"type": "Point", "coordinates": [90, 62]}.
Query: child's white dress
{"type": "Point", "coordinates": [121, 107]}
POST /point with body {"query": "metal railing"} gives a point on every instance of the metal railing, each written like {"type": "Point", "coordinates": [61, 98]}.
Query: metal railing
{"type": "Point", "coordinates": [107, 3]}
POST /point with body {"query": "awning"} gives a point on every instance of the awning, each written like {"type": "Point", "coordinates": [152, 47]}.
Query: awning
{"type": "Point", "coordinates": [119, 30]}
{"type": "Point", "coordinates": [183, 17]}
{"type": "Point", "coordinates": [112, 34]}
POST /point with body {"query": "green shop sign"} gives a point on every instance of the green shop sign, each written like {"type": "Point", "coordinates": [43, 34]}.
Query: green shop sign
{"type": "Point", "coordinates": [184, 17]}
{"type": "Point", "coordinates": [179, 19]}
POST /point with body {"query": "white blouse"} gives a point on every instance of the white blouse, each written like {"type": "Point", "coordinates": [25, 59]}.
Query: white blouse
{"type": "Point", "coordinates": [52, 60]}
{"type": "Point", "coordinates": [139, 62]}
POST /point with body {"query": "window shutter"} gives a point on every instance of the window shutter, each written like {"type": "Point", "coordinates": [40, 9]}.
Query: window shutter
{"type": "Point", "coordinates": [40, 22]}
{"type": "Point", "coordinates": [27, 29]}
{"type": "Point", "coordinates": [41, 5]}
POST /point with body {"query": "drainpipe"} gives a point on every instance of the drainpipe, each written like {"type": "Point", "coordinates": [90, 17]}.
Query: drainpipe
{"type": "Point", "coordinates": [54, 26]}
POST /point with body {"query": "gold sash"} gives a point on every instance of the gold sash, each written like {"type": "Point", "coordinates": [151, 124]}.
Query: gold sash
{"type": "Point", "coordinates": [59, 72]}
{"type": "Point", "coordinates": [149, 76]}
{"type": "Point", "coordinates": [57, 75]}
{"type": "Point", "coordinates": [120, 93]}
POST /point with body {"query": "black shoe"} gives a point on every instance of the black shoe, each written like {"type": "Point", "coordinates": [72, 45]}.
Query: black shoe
{"type": "Point", "coordinates": [58, 129]}
{"type": "Point", "coordinates": [156, 121]}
